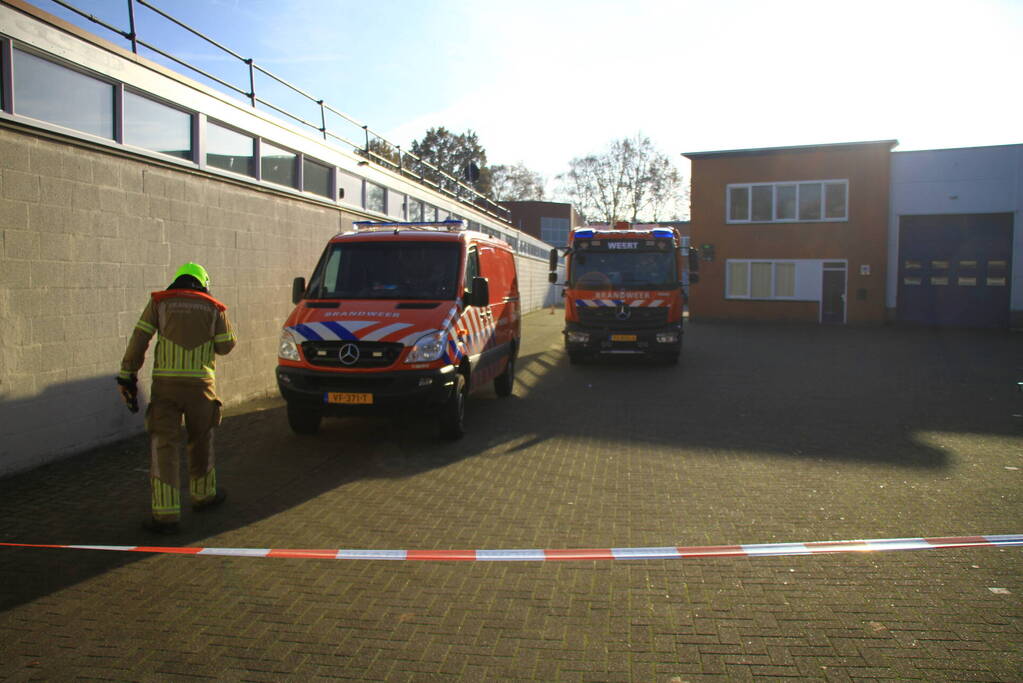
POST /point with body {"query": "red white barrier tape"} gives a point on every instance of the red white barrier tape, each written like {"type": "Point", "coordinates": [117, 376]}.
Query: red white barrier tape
{"type": "Point", "coordinates": [665, 553]}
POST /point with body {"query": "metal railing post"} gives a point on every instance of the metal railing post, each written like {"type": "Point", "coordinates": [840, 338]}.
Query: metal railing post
{"type": "Point", "coordinates": [252, 82]}
{"type": "Point", "coordinates": [323, 119]}
{"type": "Point", "coordinates": [131, 23]}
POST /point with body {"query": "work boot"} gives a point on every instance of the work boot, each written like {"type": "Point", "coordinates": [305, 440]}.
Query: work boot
{"type": "Point", "coordinates": [163, 528]}
{"type": "Point", "coordinates": [219, 497]}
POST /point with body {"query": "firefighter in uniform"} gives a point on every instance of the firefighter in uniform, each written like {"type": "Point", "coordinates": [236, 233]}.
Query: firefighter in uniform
{"type": "Point", "coordinates": [191, 327]}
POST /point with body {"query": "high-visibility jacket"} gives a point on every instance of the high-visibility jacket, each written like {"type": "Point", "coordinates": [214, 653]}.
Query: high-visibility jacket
{"type": "Point", "coordinates": [192, 328]}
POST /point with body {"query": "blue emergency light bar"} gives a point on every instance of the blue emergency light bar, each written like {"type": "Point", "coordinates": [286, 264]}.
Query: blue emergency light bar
{"type": "Point", "coordinates": [661, 232]}
{"type": "Point", "coordinates": [583, 233]}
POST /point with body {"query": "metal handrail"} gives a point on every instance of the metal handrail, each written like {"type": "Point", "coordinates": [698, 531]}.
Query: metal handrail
{"type": "Point", "coordinates": [458, 190]}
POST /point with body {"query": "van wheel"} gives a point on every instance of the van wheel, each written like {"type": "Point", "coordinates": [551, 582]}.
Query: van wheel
{"type": "Point", "coordinates": [505, 382]}
{"type": "Point", "coordinates": [303, 419]}
{"type": "Point", "coordinates": [452, 413]}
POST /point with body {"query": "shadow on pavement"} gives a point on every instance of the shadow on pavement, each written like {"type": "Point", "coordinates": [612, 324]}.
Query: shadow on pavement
{"type": "Point", "coordinates": [797, 392]}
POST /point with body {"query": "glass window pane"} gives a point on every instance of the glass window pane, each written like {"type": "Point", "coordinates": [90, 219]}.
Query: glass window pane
{"type": "Point", "coordinates": [46, 91]}
{"type": "Point", "coordinates": [834, 200]}
{"type": "Point", "coordinates": [429, 213]}
{"type": "Point", "coordinates": [374, 197]}
{"type": "Point", "coordinates": [738, 278]}
{"type": "Point", "coordinates": [316, 178]}
{"type": "Point", "coordinates": [278, 165]}
{"type": "Point", "coordinates": [762, 199]}
{"type": "Point", "coordinates": [760, 280]}
{"type": "Point", "coordinates": [738, 204]}
{"type": "Point", "coordinates": [415, 210]}
{"type": "Point", "coordinates": [810, 201]}
{"type": "Point", "coordinates": [229, 150]}
{"type": "Point", "coordinates": [785, 206]}
{"type": "Point", "coordinates": [785, 279]}
{"type": "Point", "coordinates": [157, 127]}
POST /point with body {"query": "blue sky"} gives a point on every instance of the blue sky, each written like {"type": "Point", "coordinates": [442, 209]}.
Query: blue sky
{"type": "Point", "coordinates": [542, 82]}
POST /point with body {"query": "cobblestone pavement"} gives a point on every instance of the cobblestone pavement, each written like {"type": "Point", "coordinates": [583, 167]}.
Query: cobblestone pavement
{"type": "Point", "coordinates": [762, 434]}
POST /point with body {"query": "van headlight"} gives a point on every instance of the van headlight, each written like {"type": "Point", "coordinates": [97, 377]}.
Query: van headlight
{"type": "Point", "coordinates": [428, 349]}
{"type": "Point", "coordinates": [288, 347]}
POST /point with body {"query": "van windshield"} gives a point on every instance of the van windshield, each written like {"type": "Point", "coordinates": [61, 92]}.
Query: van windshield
{"type": "Point", "coordinates": [387, 270]}
{"type": "Point", "coordinates": [624, 270]}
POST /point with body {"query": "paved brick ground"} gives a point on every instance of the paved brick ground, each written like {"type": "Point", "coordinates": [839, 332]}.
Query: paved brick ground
{"type": "Point", "coordinates": [762, 434]}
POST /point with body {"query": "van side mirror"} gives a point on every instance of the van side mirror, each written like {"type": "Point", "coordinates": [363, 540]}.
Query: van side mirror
{"type": "Point", "coordinates": [553, 261]}
{"type": "Point", "coordinates": [480, 295]}
{"type": "Point", "coordinates": [552, 278]}
{"type": "Point", "coordinates": [297, 290]}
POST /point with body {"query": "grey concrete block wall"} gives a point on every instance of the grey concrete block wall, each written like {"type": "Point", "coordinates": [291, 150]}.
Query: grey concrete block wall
{"type": "Point", "coordinates": [86, 235]}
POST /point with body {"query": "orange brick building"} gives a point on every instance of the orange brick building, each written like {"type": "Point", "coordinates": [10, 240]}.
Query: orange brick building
{"type": "Point", "coordinates": [792, 233]}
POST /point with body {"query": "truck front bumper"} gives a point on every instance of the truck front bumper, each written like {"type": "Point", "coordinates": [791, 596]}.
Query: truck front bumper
{"type": "Point", "coordinates": [586, 340]}
{"type": "Point", "coordinates": [367, 393]}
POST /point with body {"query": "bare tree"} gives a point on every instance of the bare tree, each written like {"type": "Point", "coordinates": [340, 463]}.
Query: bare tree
{"type": "Point", "coordinates": [631, 180]}
{"type": "Point", "coordinates": [516, 183]}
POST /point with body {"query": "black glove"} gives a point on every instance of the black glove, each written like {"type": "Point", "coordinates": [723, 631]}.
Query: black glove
{"type": "Point", "coordinates": [129, 389]}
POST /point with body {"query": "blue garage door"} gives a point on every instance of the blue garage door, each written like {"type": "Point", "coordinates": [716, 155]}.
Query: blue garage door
{"type": "Point", "coordinates": [954, 269]}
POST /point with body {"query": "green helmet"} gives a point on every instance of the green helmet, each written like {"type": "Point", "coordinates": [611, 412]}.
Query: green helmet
{"type": "Point", "coordinates": [196, 271]}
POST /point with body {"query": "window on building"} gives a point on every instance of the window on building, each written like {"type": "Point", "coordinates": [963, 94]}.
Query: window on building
{"type": "Point", "coordinates": [52, 93]}
{"type": "Point", "coordinates": [763, 197]}
{"type": "Point", "coordinates": [737, 284]}
{"type": "Point", "coordinates": [760, 280]}
{"type": "Point", "coordinates": [554, 231]}
{"type": "Point", "coordinates": [277, 165]}
{"type": "Point", "coordinates": [738, 204]}
{"type": "Point", "coordinates": [375, 197]}
{"type": "Point", "coordinates": [316, 178]}
{"type": "Point", "coordinates": [785, 203]}
{"type": "Point", "coordinates": [834, 200]}
{"type": "Point", "coordinates": [788, 202]}
{"type": "Point", "coordinates": [809, 201]}
{"type": "Point", "coordinates": [230, 150]}
{"type": "Point", "coordinates": [157, 127]}
{"type": "Point", "coordinates": [415, 210]}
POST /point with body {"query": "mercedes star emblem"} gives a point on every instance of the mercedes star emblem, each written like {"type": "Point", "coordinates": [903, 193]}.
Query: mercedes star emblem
{"type": "Point", "coordinates": [349, 354]}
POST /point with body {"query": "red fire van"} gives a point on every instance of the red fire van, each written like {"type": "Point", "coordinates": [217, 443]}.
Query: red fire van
{"type": "Point", "coordinates": [401, 318]}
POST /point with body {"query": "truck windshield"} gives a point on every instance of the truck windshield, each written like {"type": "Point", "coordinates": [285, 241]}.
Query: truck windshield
{"type": "Point", "coordinates": [623, 270]}
{"type": "Point", "coordinates": [387, 270]}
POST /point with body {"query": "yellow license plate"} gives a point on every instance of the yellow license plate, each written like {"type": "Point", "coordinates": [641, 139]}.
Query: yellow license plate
{"type": "Point", "coordinates": [623, 337]}
{"type": "Point", "coordinates": [349, 398]}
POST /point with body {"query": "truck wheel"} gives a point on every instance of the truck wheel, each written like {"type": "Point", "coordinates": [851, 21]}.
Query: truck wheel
{"type": "Point", "coordinates": [452, 413]}
{"type": "Point", "coordinates": [505, 382]}
{"type": "Point", "coordinates": [303, 419]}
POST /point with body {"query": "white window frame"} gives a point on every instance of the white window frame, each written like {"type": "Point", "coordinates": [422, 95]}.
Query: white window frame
{"type": "Point", "coordinates": [774, 201]}
{"type": "Point", "coordinates": [749, 280]}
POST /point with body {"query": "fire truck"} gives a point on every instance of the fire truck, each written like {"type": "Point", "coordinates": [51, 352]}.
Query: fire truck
{"type": "Point", "coordinates": [625, 291]}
